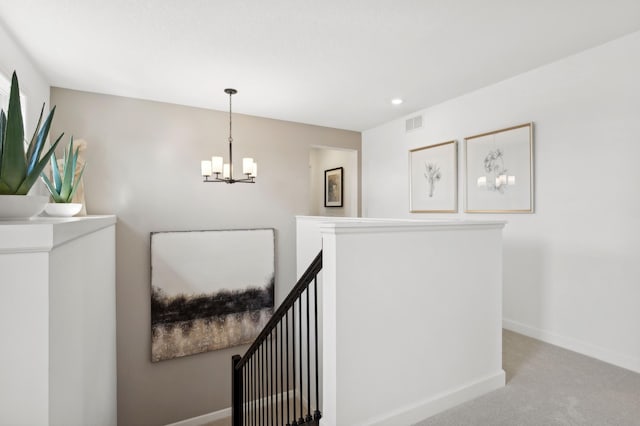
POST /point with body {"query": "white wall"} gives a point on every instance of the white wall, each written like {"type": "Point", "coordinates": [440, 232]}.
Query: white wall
{"type": "Point", "coordinates": [400, 318]}
{"type": "Point", "coordinates": [32, 83]}
{"type": "Point", "coordinates": [57, 317]}
{"type": "Point", "coordinates": [321, 159]}
{"type": "Point", "coordinates": [571, 269]}
{"type": "Point", "coordinates": [24, 363]}
{"type": "Point", "coordinates": [82, 326]}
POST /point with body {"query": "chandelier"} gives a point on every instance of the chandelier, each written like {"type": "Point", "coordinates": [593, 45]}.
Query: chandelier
{"type": "Point", "coordinates": [211, 170]}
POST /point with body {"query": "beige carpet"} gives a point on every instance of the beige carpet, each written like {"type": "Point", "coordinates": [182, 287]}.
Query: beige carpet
{"type": "Point", "coordinates": [547, 386]}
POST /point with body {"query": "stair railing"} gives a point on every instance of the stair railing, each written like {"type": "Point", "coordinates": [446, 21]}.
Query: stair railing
{"type": "Point", "coordinates": [265, 387]}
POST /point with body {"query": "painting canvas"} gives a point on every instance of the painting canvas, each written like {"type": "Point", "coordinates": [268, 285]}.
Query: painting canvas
{"type": "Point", "coordinates": [433, 178]}
{"type": "Point", "coordinates": [333, 187]}
{"type": "Point", "coordinates": [499, 171]}
{"type": "Point", "coordinates": [209, 289]}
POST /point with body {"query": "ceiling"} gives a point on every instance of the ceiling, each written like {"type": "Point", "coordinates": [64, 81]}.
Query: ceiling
{"type": "Point", "coordinates": [335, 63]}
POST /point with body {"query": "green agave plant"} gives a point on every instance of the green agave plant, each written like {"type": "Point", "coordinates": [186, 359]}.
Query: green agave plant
{"type": "Point", "coordinates": [19, 169]}
{"type": "Point", "coordinates": [63, 187]}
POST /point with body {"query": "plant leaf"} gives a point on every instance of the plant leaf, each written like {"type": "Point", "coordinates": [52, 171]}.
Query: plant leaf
{"type": "Point", "coordinates": [13, 156]}
{"type": "Point", "coordinates": [77, 183]}
{"type": "Point", "coordinates": [35, 173]}
{"type": "Point", "coordinates": [68, 171]}
{"type": "Point", "coordinates": [40, 141]}
{"type": "Point", "coordinates": [51, 188]}
{"type": "Point", "coordinates": [55, 173]}
{"type": "Point", "coordinates": [3, 126]}
{"type": "Point", "coordinates": [32, 145]}
{"type": "Point", "coordinates": [4, 189]}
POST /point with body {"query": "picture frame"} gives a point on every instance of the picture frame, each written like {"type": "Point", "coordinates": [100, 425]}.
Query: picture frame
{"type": "Point", "coordinates": [433, 178]}
{"type": "Point", "coordinates": [333, 187]}
{"type": "Point", "coordinates": [203, 297]}
{"type": "Point", "coordinates": [499, 171]}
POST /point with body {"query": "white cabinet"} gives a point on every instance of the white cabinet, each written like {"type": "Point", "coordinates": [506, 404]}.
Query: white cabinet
{"type": "Point", "coordinates": [58, 321]}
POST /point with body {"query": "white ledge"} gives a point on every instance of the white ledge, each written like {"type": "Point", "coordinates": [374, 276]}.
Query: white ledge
{"type": "Point", "coordinates": [42, 234]}
{"type": "Point", "coordinates": [351, 225]}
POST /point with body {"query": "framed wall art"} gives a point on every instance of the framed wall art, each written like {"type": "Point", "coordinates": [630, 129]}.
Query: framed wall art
{"type": "Point", "coordinates": [433, 178]}
{"type": "Point", "coordinates": [209, 289]}
{"type": "Point", "coordinates": [499, 171]}
{"type": "Point", "coordinates": [333, 187]}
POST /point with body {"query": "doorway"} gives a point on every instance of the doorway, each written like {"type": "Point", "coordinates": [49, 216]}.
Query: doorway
{"type": "Point", "coordinates": [326, 158]}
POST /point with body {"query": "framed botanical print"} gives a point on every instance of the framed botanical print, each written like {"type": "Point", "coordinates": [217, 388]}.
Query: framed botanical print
{"type": "Point", "coordinates": [333, 187]}
{"type": "Point", "coordinates": [499, 171]}
{"type": "Point", "coordinates": [433, 178]}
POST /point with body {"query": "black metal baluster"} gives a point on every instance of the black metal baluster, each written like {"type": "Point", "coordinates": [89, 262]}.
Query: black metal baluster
{"type": "Point", "coordinates": [308, 418]}
{"type": "Point", "coordinates": [271, 378]}
{"type": "Point", "coordinates": [262, 392]}
{"type": "Point", "coordinates": [265, 383]}
{"type": "Point", "coordinates": [246, 419]}
{"type": "Point", "coordinates": [287, 365]}
{"type": "Point", "coordinates": [254, 397]}
{"type": "Point", "coordinates": [265, 399]}
{"type": "Point", "coordinates": [246, 395]}
{"type": "Point", "coordinates": [249, 390]}
{"type": "Point", "coordinates": [236, 391]}
{"type": "Point", "coordinates": [246, 392]}
{"type": "Point", "coordinates": [253, 381]}
{"type": "Point", "coordinates": [316, 414]}
{"type": "Point", "coordinates": [260, 385]}
{"type": "Point", "coordinates": [250, 400]}
{"type": "Point", "coordinates": [255, 389]}
{"type": "Point", "coordinates": [281, 377]}
{"type": "Point", "coordinates": [275, 361]}
{"type": "Point", "coordinates": [293, 366]}
{"type": "Point", "coordinates": [301, 420]}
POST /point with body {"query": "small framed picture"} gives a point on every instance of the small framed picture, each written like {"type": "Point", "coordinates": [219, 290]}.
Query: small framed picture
{"type": "Point", "coordinates": [333, 188]}
{"type": "Point", "coordinates": [499, 171]}
{"type": "Point", "coordinates": [433, 178]}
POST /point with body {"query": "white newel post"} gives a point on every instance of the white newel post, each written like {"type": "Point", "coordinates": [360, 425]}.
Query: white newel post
{"type": "Point", "coordinates": [412, 315]}
{"type": "Point", "coordinates": [57, 321]}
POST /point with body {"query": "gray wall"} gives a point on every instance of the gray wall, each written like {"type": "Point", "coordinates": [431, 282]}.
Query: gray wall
{"type": "Point", "coordinates": [143, 164]}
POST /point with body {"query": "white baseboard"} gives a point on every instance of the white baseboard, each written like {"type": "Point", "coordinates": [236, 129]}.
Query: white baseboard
{"type": "Point", "coordinates": [416, 412]}
{"type": "Point", "coordinates": [224, 413]}
{"type": "Point", "coordinates": [204, 419]}
{"type": "Point", "coordinates": [584, 348]}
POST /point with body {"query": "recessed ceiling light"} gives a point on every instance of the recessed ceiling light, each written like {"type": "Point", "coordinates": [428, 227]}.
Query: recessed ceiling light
{"type": "Point", "coordinates": [396, 101]}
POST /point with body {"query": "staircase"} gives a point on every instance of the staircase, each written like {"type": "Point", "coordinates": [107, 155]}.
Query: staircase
{"type": "Point", "coordinates": [276, 382]}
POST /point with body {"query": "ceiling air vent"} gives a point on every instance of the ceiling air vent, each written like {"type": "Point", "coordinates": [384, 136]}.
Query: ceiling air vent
{"type": "Point", "coordinates": [413, 123]}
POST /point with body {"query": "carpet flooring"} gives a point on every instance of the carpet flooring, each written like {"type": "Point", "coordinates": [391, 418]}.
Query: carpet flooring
{"type": "Point", "coordinates": [548, 386]}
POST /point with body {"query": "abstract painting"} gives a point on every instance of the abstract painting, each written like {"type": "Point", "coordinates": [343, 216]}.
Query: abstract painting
{"type": "Point", "coordinates": [499, 171]}
{"type": "Point", "coordinates": [433, 178]}
{"type": "Point", "coordinates": [209, 289]}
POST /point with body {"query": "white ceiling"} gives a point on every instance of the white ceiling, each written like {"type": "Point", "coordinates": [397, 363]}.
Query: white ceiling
{"type": "Point", "coordinates": [334, 63]}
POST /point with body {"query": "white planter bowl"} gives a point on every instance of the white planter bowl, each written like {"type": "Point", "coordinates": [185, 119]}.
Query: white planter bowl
{"type": "Point", "coordinates": [62, 209]}
{"type": "Point", "coordinates": [21, 206]}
